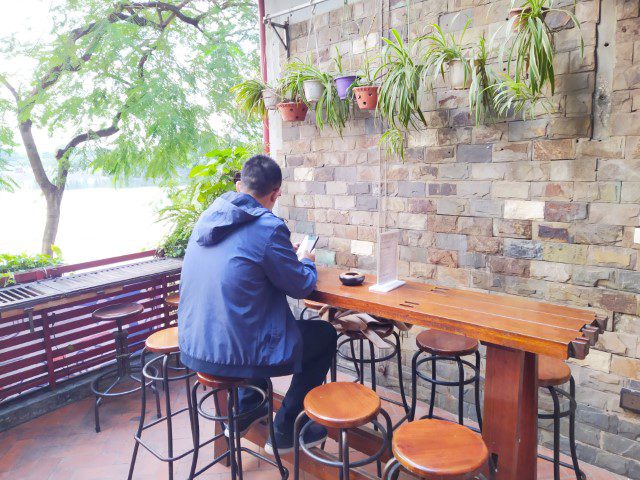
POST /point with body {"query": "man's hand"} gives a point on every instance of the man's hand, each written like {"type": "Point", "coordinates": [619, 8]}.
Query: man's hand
{"type": "Point", "coordinates": [311, 256]}
{"type": "Point", "coordinates": [296, 246]}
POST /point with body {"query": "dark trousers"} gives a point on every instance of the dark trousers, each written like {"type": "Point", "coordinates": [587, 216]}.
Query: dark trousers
{"type": "Point", "coordinates": [319, 340]}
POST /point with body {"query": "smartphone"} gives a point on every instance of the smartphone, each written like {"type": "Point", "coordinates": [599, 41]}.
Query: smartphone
{"type": "Point", "coordinates": [307, 245]}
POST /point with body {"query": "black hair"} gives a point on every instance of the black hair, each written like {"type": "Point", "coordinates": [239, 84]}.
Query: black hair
{"type": "Point", "coordinates": [261, 175]}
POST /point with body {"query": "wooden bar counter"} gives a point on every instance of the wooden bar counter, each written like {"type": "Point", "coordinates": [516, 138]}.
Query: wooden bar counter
{"type": "Point", "coordinates": [515, 331]}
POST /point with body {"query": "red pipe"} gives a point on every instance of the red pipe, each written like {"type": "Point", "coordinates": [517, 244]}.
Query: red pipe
{"type": "Point", "coordinates": [263, 69]}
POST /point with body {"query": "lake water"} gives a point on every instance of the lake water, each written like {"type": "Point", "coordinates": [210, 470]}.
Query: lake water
{"type": "Point", "coordinates": [95, 222]}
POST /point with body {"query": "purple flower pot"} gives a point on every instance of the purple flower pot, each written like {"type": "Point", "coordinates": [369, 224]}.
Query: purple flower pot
{"type": "Point", "coordinates": [343, 85]}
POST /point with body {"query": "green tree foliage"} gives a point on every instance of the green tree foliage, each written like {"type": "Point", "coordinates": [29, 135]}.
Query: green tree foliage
{"type": "Point", "coordinates": [206, 183]}
{"type": "Point", "coordinates": [142, 86]}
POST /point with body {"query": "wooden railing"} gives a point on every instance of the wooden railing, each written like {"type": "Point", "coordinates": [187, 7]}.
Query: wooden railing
{"type": "Point", "coordinates": [61, 341]}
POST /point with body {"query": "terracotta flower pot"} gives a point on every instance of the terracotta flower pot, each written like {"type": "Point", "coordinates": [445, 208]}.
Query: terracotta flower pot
{"type": "Point", "coordinates": [367, 97]}
{"type": "Point", "coordinates": [293, 111]}
{"type": "Point", "coordinates": [30, 275]}
{"type": "Point", "coordinates": [457, 75]}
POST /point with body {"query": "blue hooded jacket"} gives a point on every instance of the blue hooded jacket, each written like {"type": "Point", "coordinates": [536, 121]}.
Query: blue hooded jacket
{"type": "Point", "coordinates": [239, 267]}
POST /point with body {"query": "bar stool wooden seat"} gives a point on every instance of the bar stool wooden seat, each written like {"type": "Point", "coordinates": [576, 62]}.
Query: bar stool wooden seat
{"type": "Point", "coordinates": [341, 406]}
{"type": "Point", "coordinates": [444, 346]}
{"type": "Point", "coordinates": [552, 374]}
{"type": "Point", "coordinates": [228, 422]}
{"type": "Point", "coordinates": [437, 450]}
{"type": "Point", "coordinates": [106, 385]}
{"type": "Point", "coordinates": [163, 343]}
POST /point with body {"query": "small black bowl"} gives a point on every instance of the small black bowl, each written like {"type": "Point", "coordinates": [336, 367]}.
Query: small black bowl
{"type": "Point", "coordinates": [351, 279]}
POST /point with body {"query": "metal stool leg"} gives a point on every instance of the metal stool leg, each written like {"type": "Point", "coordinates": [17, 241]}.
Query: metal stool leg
{"type": "Point", "coordinates": [167, 399]}
{"type": "Point", "coordinates": [433, 388]}
{"type": "Point", "coordinates": [556, 433]}
{"type": "Point", "coordinates": [476, 387]}
{"type": "Point", "coordinates": [232, 430]}
{"type": "Point", "coordinates": [195, 429]}
{"type": "Point", "coordinates": [400, 376]}
{"type": "Point", "coordinates": [361, 347]}
{"type": "Point", "coordinates": [572, 429]}
{"type": "Point", "coordinates": [296, 445]}
{"type": "Point", "coordinates": [283, 472]}
{"type": "Point", "coordinates": [143, 402]}
{"type": "Point", "coordinates": [460, 392]}
{"type": "Point", "coordinates": [344, 449]}
{"type": "Point", "coordinates": [391, 470]}
{"type": "Point", "coordinates": [414, 385]}
{"type": "Point", "coordinates": [236, 413]}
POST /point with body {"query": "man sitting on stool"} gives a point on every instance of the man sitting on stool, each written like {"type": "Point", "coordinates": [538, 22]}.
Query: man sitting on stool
{"type": "Point", "coordinates": [235, 321]}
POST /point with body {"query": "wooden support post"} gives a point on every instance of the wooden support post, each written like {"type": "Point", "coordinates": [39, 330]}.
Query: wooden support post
{"type": "Point", "coordinates": [511, 412]}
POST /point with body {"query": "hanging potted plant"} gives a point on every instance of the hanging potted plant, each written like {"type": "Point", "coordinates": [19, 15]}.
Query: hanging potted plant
{"type": "Point", "coordinates": [329, 108]}
{"type": "Point", "coordinates": [255, 97]}
{"type": "Point", "coordinates": [313, 80]}
{"type": "Point", "coordinates": [344, 82]}
{"type": "Point", "coordinates": [511, 97]}
{"type": "Point", "coordinates": [293, 107]}
{"type": "Point", "coordinates": [366, 90]}
{"type": "Point", "coordinates": [445, 50]}
{"type": "Point", "coordinates": [530, 54]}
{"type": "Point", "coordinates": [481, 91]}
{"type": "Point", "coordinates": [399, 94]}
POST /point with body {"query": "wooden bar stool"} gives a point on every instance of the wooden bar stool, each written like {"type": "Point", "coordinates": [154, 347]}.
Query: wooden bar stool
{"type": "Point", "coordinates": [342, 406]}
{"type": "Point", "coordinates": [444, 346]}
{"type": "Point", "coordinates": [229, 421]}
{"type": "Point", "coordinates": [163, 343]}
{"type": "Point", "coordinates": [552, 373]}
{"type": "Point", "coordinates": [123, 371]}
{"type": "Point", "coordinates": [437, 450]}
{"type": "Point", "coordinates": [391, 337]}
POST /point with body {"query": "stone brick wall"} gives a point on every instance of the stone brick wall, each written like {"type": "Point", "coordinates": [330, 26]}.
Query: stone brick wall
{"type": "Point", "coordinates": [547, 208]}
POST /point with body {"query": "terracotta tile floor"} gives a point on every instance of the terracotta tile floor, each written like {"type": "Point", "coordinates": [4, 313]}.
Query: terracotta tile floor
{"type": "Point", "coordinates": [63, 445]}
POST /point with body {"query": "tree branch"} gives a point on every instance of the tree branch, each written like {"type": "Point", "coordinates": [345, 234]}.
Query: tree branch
{"type": "Point", "coordinates": [10, 87]}
{"type": "Point", "coordinates": [90, 135]}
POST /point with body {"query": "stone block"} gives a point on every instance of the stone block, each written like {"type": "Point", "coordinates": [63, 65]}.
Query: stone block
{"type": "Point", "coordinates": [612, 147]}
{"type": "Point", "coordinates": [625, 123]}
{"type": "Point", "coordinates": [622, 302]}
{"type": "Point", "coordinates": [636, 235]}
{"type": "Point", "coordinates": [556, 234]}
{"type": "Point", "coordinates": [474, 153]}
{"type": "Point", "coordinates": [412, 221]}
{"type": "Point", "coordinates": [450, 241]}
{"type": "Point", "coordinates": [511, 152]}
{"type": "Point", "coordinates": [344, 202]}
{"type": "Point", "coordinates": [611, 256]}
{"type": "Point", "coordinates": [523, 210]}
{"type": "Point", "coordinates": [528, 129]}
{"type": "Point", "coordinates": [366, 202]}
{"type": "Point", "coordinates": [611, 214]}
{"type": "Point", "coordinates": [522, 249]}
{"type": "Point", "coordinates": [446, 206]}
{"type": "Point", "coordinates": [475, 226]}
{"type": "Point", "coordinates": [581, 169]}
{"type": "Point", "coordinates": [443, 223]}
{"type": "Point", "coordinates": [630, 192]}
{"type": "Point", "coordinates": [421, 205]}
{"type": "Point", "coordinates": [628, 280]}
{"type": "Point", "coordinates": [591, 276]}
{"type": "Point", "coordinates": [471, 260]}
{"type": "Point", "coordinates": [444, 189]}
{"type": "Point", "coordinates": [552, 272]}
{"type": "Point", "coordinates": [411, 189]}
{"type": "Point", "coordinates": [594, 234]}
{"type": "Point", "coordinates": [565, 211]}
{"type": "Point", "coordinates": [509, 266]}
{"type": "Point", "coordinates": [565, 253]}
{"type": "Point", "coordinates": [519, 190]}
{"type": "Point", "coordinates": [473, 189]}
{"type": "Point", "coordinates": [493, 171]}
{"type": "Point", "coordinates": [619, 169]}
{"type": "Point", "coordinates": [486, 208]}
{"type": "Point", "coordinates": [490, 245]}
{"type": "Point", "coordinates": [625, 367]}
{"type": "Point", "coordinates": [454, 171]}
{"type": "Point", "coordinates": [553, 149]}
{"type": "Point", "coordinates": [596, 360]}
{"type": "Point", "coordinates": [439, 154]}
{"type": "Point", "coordinates": [512, 228]}
{"type": "Point", "coordinates": [442, 257]}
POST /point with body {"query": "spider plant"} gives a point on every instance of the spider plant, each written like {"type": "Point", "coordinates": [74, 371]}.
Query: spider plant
{"type": "Point", "coordinates": [250, 97]}
{"type": "Point", "coordinates": [344, 81]}
{"type": "Point", "coordinates": [481, 93]}
{"type": "Point", "coordinates": [291, 84]}
{"type": "Point", "coordinates": [329, 109]}
{"type": "Point", "coordinates": [399, 99]}
{"type": "Point", "coordinates": [530, 54]}
{"type": "Point", "coordinates": [392, 142]}
{"type": "Point", "coordinates": [445, 49]}
{"type": "Point", "coordinates": [511, 97]}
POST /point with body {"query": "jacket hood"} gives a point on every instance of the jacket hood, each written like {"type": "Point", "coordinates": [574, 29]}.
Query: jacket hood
{"type": "Point", "coordinates": [227, 213]}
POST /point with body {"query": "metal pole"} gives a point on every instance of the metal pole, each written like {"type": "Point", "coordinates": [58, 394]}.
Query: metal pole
{"type": "Point", "coordinates": [263, 69]}
{"type": "Point", "coordinates": [291, 10]}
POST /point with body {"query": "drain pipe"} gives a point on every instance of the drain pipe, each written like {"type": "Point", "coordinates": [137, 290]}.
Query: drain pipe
{"type": "Point", "coordinates": [263, 69]}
